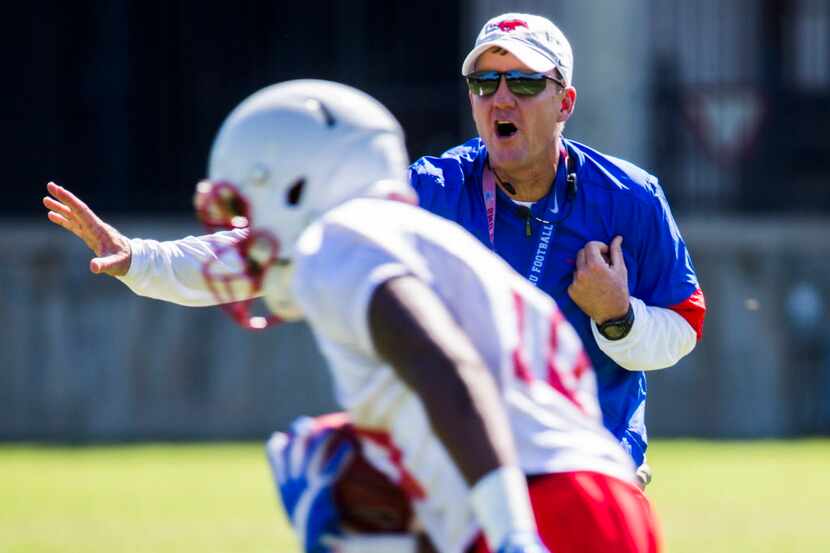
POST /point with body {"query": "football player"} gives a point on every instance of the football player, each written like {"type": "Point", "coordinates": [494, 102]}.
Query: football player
{"type": "Point", "coordinates": [464, 384]}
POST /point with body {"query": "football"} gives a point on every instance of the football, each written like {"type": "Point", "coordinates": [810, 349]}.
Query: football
{"type": "Point", "coordinates": [369, 502]}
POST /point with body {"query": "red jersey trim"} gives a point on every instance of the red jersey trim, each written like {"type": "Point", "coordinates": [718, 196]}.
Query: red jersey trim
{"type": "Point", "coordinates": [693, 309]}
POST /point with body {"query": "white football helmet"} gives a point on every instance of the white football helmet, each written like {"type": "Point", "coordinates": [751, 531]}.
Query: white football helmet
{"type": "Point", "coordinates": [286, 155]}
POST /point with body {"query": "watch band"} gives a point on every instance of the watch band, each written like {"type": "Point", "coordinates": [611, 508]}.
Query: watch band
{"type": "Point", "coordinates": [617, 329]}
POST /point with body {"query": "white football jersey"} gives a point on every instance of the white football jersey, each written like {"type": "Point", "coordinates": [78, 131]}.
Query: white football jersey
{"type": "Point", "coordinates": [535, 356]}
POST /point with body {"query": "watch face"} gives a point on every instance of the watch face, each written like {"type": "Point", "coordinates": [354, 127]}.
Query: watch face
{"type": "Point", "coordinates": [615, 331]}
{"type": "Point", "coordinates": [618, 329]}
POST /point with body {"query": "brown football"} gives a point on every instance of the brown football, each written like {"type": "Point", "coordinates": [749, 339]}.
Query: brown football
{"type": "Point", "coordinates": [370, 502]}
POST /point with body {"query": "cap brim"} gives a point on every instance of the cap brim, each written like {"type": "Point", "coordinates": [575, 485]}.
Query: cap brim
{"type": "Point", "coordinates": [524, 53]}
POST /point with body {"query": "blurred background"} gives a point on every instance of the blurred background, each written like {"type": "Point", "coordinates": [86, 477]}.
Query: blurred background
{"type": "Point", "coordinates": [728, 103]}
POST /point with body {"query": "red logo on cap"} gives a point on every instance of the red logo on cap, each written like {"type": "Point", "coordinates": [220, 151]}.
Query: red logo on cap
{"type": "Point", "coordinates": [510, 25]}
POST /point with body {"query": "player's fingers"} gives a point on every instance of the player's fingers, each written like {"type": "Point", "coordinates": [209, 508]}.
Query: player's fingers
{"type": "Point", "coordinates": [274, 450]}
{"type": "Point", "coordinates": [339, 459]}
{"type": "Point", "coordinates": [317, 457]}
{"type": "Point", "coordinates": [616, 252]}
{"type": "Point", "coordinates": [296, 456]}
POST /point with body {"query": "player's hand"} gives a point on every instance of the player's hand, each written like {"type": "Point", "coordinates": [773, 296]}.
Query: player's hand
{"type": "Point", "coordinates": [600, 285]}
{"type": "Point", "coordinates": [525, 542]}
{"type": "Point", "coordinates": [306, 463]}
{"type": "Point", "coordinates": [112, 249]}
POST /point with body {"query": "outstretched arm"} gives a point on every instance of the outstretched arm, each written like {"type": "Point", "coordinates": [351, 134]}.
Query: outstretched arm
{"type": "Point", "coordinates": [169, 271]}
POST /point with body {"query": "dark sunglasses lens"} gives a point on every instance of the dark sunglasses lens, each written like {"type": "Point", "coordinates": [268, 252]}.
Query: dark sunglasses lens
{"type": "Point", "coordinates": [523, 86]}
{"type": "Point", "coordinates": [482, 86]}
{"type": "Point", "coordinates": [484, 83]}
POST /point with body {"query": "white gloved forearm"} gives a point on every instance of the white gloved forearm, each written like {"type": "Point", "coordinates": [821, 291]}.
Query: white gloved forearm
{"type": "Point", "coordinates": [659, 338]}
{"type": "Point", "coordinates": [172, 271]}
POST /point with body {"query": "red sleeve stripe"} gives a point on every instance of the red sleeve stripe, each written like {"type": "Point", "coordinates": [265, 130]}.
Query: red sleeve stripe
{"type": "Point", "coordinates": [693, 309]}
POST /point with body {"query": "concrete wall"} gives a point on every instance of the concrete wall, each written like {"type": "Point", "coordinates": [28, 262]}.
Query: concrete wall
{"type": "Point", "coordinates": [763, 368]}
{"type": "Point", "coordinates": [81, 358]}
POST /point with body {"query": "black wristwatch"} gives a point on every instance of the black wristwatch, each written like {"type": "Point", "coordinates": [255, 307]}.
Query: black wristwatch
{"type": "Point", "coordinates": [617, 329]}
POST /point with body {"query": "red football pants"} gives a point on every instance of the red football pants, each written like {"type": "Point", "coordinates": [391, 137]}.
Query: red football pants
{"type": "Point", "coordinates": [588, 512]}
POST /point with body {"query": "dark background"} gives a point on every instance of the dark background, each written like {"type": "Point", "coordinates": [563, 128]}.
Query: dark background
{"type": "Point", "coordinates": [120, 100]}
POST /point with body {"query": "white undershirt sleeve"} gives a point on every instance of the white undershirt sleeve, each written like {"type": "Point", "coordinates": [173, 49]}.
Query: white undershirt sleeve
{"type": "Point", "coordinates": [172, 271]}
{"type": "Point", "coordinates": [659, 338]}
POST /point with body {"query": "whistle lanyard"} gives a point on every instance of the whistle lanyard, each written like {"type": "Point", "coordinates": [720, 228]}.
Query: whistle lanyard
{"type": "Point", "coordinates": [540, 253]}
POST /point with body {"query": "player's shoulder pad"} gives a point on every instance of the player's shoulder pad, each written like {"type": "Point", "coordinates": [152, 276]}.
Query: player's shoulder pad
{"type": "Point", "coordinates": [596, 170]}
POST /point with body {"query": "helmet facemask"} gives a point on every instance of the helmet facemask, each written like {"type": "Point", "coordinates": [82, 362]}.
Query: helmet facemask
{"type": "Point", "coordinates": [238, 270]}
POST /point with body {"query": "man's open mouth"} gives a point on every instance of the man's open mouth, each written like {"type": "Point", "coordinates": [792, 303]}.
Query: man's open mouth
{"type": "Point", "coordinates": [505, 129]}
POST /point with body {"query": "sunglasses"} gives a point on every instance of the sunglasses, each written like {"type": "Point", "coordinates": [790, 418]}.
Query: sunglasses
{"type": "Point", "coordinates": [520, 83]}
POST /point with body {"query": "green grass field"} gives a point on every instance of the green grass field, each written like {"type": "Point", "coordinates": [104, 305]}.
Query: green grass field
{"type": "Point", "coordinates": [712, 497]}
